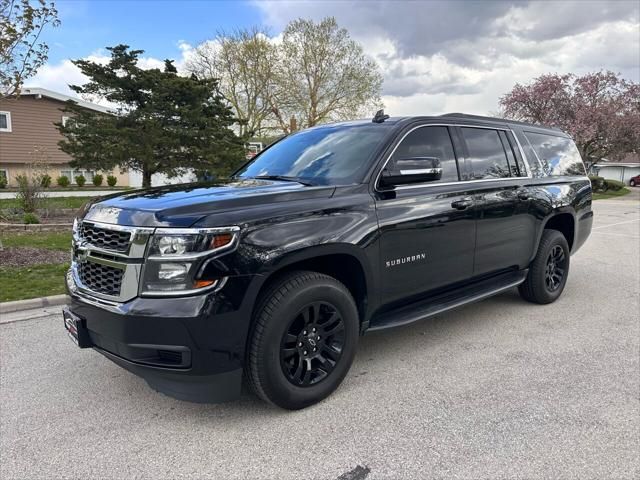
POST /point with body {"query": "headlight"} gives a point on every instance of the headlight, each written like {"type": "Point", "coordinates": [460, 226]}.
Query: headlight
{"type": "Point", "coordinates": [167, 242]}
{"type": "Point", "coordinates": [175, 258]}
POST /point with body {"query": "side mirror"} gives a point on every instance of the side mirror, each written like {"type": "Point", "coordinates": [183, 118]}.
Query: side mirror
{"type": "Point", "coordinates": [412, 170]}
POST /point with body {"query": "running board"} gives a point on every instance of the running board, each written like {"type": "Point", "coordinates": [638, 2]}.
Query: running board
{"type": "Point", "coordinates": [447, 301]}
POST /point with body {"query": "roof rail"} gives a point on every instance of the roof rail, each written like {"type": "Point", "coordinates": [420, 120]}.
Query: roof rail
{"type": "Point", "coordinates": [498, 119]}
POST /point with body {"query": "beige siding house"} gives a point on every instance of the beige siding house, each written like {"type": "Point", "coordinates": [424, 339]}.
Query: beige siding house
{"type": "Point", "coordinates": [28, 135]}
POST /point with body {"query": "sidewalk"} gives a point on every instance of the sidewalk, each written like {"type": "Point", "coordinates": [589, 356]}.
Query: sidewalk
{"type": "Point", "coordinates": [71, 193]}
{"type": "Point", "coordinates": [31, 314]}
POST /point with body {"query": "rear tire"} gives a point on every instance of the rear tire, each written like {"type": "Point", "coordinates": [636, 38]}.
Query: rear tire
{"type": "Point", "coordinates": [549, 270]}
{"type": "Point", "coordinates": [632, 183]}
{"type": "Point", "coordinates": [304, 340]}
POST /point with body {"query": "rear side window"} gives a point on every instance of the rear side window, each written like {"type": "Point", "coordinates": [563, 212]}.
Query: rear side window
{"type": "Point", "coordinates": [486, 153]}
{"type": "Point", "coordinates": [559, 155]}
{"type": "Point", "coordinates": [430, 142]}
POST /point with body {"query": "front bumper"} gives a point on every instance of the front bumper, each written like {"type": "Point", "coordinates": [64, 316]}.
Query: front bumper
{"type": "Point", "coordinates": [190, 348]}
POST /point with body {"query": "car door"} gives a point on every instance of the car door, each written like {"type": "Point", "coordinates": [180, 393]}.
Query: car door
{"type": "Point", "coordinates": [499, 184]}
{"type": "Point", "coordinates": [427, 229]}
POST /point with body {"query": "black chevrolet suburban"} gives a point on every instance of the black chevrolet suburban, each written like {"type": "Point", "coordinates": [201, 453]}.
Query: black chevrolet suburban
{"type": "Point", "coordinates": [272, 275]}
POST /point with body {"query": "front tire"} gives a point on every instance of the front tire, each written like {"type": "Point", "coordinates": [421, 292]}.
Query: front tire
{"type": "Point", "coordinates": [632, 183]}
{"type": "Point", "coordinates": [549, 270]}
{"type": "Point", "coordinates": [304, 340]}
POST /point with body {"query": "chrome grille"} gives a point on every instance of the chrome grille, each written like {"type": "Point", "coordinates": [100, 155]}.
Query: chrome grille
{"type": "Point", "coordinates": [115, 240]}
{"type": "Point", "coordinates": [101, 278]}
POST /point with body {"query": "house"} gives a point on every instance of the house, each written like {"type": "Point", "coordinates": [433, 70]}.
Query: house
{"type": "Point", "coordinates": [623, 170]}
{"type": "Point", "coordinates": [28, 135]}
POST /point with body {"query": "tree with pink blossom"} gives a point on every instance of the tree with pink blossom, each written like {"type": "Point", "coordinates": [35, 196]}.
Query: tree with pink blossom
{"type": "Point", "coordinates": [600, 110]}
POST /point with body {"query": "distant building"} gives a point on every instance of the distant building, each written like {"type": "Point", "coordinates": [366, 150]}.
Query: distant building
{"type": "Point", "coordinates": [623, 170]}
{"type": "Point", "coordinates": [27, 131]}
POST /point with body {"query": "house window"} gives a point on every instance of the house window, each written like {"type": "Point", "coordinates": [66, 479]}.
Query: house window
{"type": "Point", "coordinates": [5, 121]}
{"type": "Point", "coordinates": [72, 174]}
{"type": "Point", "coordinates": [64, 121]}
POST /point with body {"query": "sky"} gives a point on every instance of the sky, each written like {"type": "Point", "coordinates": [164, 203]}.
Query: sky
{"type": "Point", "coordinates": [435, 56]}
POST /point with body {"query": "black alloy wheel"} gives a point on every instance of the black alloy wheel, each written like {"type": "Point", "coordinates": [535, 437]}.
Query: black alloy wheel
{"type": "Point", "coordinates": [303, 341]}
{"type": "Point", "coordinates": [549, 270]}
{"type": "Point", "coordinates": [312, 345]}
{"type": "Point", "coordinates": [555, 269]}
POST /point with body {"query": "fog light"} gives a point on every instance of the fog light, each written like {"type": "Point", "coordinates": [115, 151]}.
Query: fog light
{"type": "Point", "coordinates": [173, 272]}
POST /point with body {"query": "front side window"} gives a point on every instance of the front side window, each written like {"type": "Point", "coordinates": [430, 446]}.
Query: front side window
{"type": "Point", "coordinates": [332, 154]}
{"type": "Point", "coordinates": [559, 155]}
{"type": "Point", "coordinates": [486, 153]}
{"type": "Point", "coordinates": [429, 143]}
{"type": "Point", "coordinates": [5, 121]}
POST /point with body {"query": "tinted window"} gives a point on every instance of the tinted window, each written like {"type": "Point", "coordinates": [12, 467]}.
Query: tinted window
{"type": "Point", "coordinates": [514, 166]}
{"type": "Point", "coordinates": [324, 155]}
{"type": "Point", "coordinates": [432, 142]}
{"type": "Point", "coordinates": [558, 155]}
{"type": "Point", "coordinates": [487, 156]}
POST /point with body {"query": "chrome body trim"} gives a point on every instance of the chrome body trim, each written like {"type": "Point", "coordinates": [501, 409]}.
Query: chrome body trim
{"type": "Point", "coordinates": [217, 285]}
{"type": "Point", "coordinates": [460, 182]}
{"type": "Point", "coordinates": [421, 171]}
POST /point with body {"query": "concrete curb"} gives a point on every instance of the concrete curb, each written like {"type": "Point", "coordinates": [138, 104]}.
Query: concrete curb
{"type": "Point", "coordinates": [33, 303]}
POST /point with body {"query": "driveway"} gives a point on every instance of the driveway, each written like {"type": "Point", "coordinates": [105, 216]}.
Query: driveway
{"type": "Point", "coordinates": [498, 389]}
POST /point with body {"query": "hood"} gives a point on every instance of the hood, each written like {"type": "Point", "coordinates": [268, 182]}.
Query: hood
{"type": "Point", "coordinates": [184, 205]}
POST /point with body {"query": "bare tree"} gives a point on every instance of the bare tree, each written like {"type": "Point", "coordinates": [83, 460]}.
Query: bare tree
{"type": "Point", "coordinates": [322, 75]}
{"type": "Point", "coordinates": [242, 62]}
{"type": "Point", "coordinates": [316, 74]}
{"type": "Point", "coordinates": [21, 50]}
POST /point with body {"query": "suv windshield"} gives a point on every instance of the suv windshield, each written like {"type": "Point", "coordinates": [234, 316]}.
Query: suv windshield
{"type": "Point", "coordinates": [332, 154]}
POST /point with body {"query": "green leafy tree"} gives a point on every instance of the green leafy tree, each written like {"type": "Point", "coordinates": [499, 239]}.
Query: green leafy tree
{"type": "Point", "coordinates": [162, 122]}
{"type": "Point", "coordinates": [22, 51]}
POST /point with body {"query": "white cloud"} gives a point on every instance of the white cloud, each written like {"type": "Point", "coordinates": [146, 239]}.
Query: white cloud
{"type": "Point", "coordinates": [440, 56]}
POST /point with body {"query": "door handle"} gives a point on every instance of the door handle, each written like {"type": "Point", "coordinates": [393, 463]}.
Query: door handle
{"type": "Point", "coordinates": [462, 204]}
{"type": "Point", "coordinates": [523, 195]}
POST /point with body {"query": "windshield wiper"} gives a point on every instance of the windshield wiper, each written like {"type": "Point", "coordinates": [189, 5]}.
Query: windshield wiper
{"type": "Point", "coordinates": [284, 178]}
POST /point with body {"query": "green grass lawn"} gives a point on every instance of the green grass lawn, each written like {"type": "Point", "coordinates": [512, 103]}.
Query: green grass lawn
{"type": "Point", "coordinates": [611, 194]}
{"type": "Point", "coordinates": [53, 202]}
{"type": "Point", "coordinates": [48, 240]}
{"type": "Point", "coordinates": [19, 283]}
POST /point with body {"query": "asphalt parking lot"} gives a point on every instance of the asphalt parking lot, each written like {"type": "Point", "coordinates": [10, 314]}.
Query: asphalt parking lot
{"type": "Point", "coordinates": [498, 389]}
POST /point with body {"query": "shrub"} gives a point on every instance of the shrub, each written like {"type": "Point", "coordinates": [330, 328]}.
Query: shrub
{"type": "Point", "coordinates": [63, 181]}
{"type": "Point", "coordinates": [80, 180]}
{"type": "Point", "coordinates": [97, 180]}
{"type": "Point", "coordinates": [614, 185]}
{"type": "Point", "coordinates": [29, 193]}
{"type": "Point", "coordinates": [598, 184]}
{"type": "Point", "coordinates": [3, 182]}
{"type": "Point", "coordinates": [45, 181]}
{"type": "Point", "coordinates": [111, 181]}
{"type": "Point", "coordinates": [30, 218]}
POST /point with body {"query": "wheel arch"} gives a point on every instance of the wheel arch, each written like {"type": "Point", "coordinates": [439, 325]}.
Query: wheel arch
{"type": "Point", "coordinates": [563, 221]}
{"type": "Point", "coordinates": [347, 263]}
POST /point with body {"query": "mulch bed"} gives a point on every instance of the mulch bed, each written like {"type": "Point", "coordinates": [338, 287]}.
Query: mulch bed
{"type": "Point", "coordinates": [27, 256]}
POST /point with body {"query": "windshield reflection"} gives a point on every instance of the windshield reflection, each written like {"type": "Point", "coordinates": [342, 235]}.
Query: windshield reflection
{"type": "Point", "coordinates": [332, 154]}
